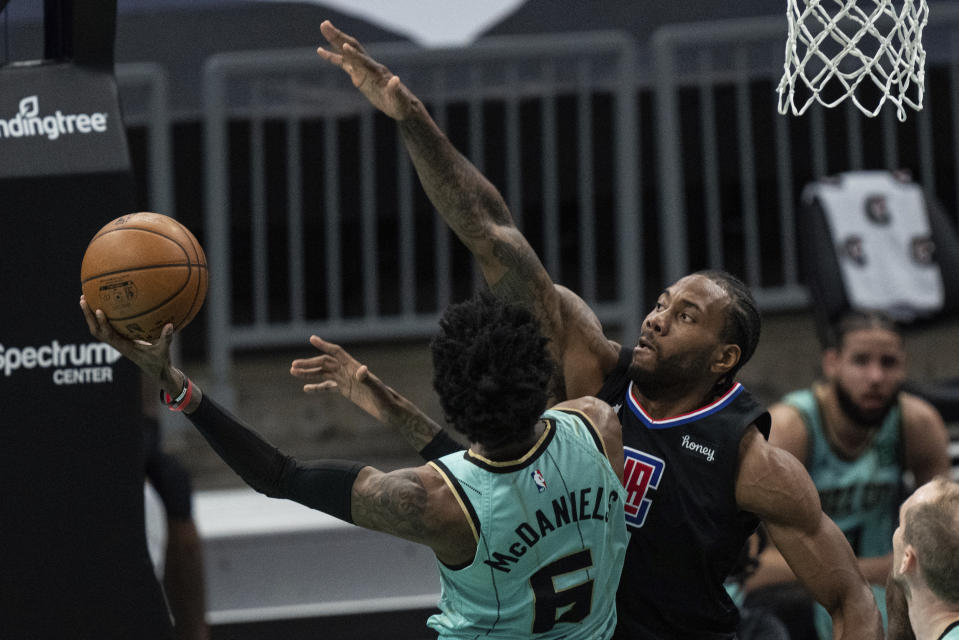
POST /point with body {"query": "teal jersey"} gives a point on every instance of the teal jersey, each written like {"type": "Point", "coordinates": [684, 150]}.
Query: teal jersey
{"type": "Point", "coordinates": [861, 496]}
{"type": "Point", "coordinates": [551, 538]}
{"type": "Point", "coordinates": [951, 632]}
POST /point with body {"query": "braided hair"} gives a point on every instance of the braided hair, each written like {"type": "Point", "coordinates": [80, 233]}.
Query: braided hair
{"type": "Point", "coordinates": [743, 321]}
{"type": "Point", "coordinates": [862, 320]}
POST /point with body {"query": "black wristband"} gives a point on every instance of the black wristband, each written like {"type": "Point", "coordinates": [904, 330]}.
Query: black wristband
{"type": "Point", "coordinates": [441, 445]}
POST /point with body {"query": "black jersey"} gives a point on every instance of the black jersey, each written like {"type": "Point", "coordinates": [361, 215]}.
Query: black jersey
{"type": "Point", "coordinates": [686, 528]}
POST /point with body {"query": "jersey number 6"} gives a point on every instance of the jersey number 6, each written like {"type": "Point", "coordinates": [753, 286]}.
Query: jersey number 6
{"type": "Point", "coordinates": [579, 598]}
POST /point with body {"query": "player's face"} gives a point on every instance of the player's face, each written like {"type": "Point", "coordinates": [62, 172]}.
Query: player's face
{"type": "Point", "coordinates": [868, 371]}
{"type": "Point", "coordinates": [681, 334]}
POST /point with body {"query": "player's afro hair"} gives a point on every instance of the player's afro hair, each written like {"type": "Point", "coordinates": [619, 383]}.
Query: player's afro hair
{"type": "Point", "coordinates": [491, 369]}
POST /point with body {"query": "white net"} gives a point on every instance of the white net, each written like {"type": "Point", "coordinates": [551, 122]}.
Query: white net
{"type": "Point", "coordinates": [835, 46]}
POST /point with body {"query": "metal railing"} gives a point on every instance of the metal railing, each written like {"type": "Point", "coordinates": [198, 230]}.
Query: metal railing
{"type": "Point", "coordinates": [348, 212]}
{"type": "Point", "coordinates": [314, 221]}
{"type": "Point", "coordinates": [144, 99]}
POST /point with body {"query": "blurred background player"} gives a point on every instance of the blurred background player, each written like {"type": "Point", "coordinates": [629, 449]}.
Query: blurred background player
{"type": "Point", "coordinates": [923, 591]}
{"type": "Point", "coordinates": [856, 432]}
{"type": "Point", "coordinates": [527, 527]}
{"type": "Point", "coordinates": [173, 539]}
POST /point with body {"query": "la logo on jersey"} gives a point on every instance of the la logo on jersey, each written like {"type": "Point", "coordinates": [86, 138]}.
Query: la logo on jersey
{"type": "Point", "coordinates": [540, 481]}
{"type": "Point", "coordinates": [642, 473]}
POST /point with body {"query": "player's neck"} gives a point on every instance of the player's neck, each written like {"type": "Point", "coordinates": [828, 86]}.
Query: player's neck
{"type": "Point", "coordinates": [668, 404]}
{"type": "Point", "coordinates": [512, 450]}
{"type": "Point", "coordinates": [928, 615]}
{"type": "Point", "coordinates": [847, 438]}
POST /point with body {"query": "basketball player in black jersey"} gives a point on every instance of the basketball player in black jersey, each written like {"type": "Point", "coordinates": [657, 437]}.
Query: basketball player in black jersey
{"type": "Point", "coordinates": [700, 472]}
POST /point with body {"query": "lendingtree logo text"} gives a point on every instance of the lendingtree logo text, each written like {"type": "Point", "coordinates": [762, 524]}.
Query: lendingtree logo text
{"type": "Point", "coordinates": [28, 122]}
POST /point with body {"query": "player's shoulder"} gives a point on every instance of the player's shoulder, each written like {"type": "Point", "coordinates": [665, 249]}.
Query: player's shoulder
{"type": "Point", "coordinates": [600, 420]}
{"type": "Point", "coordinates": [786, 416]}
{"type": "Point", "coordinates": [917, 409]}
{"type": "Point", "coordinates": [768, 472]}
{"type": "Point", "coordinates": [592, 411]}
{"type": "Point", "coordinates": [918, 415]}
{"type": "Point", "coordinates": [788, 430]}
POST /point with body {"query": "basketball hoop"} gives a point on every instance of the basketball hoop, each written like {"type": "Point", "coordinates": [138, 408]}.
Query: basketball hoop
{"type": "Point", "coordinates": [833, 46]}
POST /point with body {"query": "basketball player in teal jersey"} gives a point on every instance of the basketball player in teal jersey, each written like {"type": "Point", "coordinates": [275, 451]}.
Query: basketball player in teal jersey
{"type": "Point", "coordinates": [700, 472]}
{"type": "Point", "coordinates": [856, 433]}
{"type": "Point", "coordinates": [527, 525]}
{"type": "Point", "coordinates": [923, 587]}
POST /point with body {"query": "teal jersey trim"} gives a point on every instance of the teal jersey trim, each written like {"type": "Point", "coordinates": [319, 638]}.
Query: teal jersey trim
{"type": "Point", "coordinates": [951, 632]}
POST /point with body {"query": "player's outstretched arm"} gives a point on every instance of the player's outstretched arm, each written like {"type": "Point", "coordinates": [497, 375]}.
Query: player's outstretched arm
{"type": "Point", "coordinates": [325, 485]}
{"type": "Point", "coordinates": [774, 485]}
{"type": "Point", "coordinates": [467, 201]}
{"type": "Point", "coordinates": [336, 370]}
{"type": "Point", "coordinates": [415, 504]}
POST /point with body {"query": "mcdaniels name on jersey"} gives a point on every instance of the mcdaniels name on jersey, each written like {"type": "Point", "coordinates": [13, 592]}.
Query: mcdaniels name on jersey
{"type": "Point", "coordinates": [586, 504]}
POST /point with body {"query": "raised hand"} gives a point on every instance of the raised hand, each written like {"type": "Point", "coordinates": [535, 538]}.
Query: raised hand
{"type": "Point", "coordinates": [333, 369]}
{"type": "Point", "coordinates": [383, 89]}
{"type": "Point", "coordinates": [336, 370]}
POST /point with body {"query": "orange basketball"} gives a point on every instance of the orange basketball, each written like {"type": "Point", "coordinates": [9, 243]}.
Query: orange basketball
{"type": "Point", "coordinates": [144, 270]}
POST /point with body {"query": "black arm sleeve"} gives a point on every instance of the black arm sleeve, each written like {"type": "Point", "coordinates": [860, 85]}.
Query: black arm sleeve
{"type": "Point", "coordinates": [439, 446]}
{"type": "Point", "coordinates": [325, 485]}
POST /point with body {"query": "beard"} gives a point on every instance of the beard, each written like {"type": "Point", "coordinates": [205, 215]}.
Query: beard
{"type": "Point", "coordinates": [670, 375]}
{"type": "Point", "coordinates": [865, 419]}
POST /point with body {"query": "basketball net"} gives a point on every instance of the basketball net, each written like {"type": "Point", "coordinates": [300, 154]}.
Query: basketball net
{"type": "Point", "coordinates": [833, 46]}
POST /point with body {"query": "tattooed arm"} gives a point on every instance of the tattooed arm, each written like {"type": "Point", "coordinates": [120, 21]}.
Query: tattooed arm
{"type": "Point", "coordinates": [414, 504]}
{"type": "Point", "coordinates": [334, 369]}
{"type": "Point", "coordinates": [468, 202]}
{"type": "Point", "coordinates": [477, 213]}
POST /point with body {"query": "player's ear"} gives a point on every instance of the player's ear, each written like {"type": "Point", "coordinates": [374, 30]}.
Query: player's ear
{"type": "Point", "coordinates": [725, 358]}
{"type": "Point", "coordinates": [909, 560]}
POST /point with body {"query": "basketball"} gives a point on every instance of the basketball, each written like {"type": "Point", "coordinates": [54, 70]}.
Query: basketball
{"type": "Point", "coordinates": [144, 270]}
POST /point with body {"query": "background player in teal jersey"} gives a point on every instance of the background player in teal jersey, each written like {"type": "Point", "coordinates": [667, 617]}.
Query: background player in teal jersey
{"type": "Point", "coordinates": [857, 432]}
{"type": "Point", "coordinates": [528, 527]}
{"type": "Point", "coordinates": [923, 591]}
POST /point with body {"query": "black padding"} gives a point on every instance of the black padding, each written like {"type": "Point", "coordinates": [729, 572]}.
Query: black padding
{"type": "Point", "coordinates": [72, 544]}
